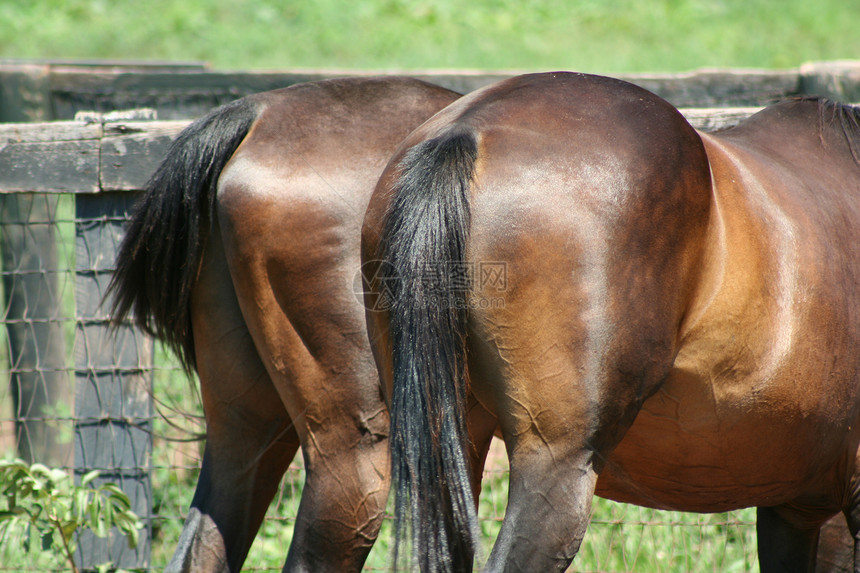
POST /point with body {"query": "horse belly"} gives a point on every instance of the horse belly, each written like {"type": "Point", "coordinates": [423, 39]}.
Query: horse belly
{"type": "Point", "coordinates": [692, 449]}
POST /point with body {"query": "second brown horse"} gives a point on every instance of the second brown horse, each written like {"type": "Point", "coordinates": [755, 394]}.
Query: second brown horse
{"type": "Point", "coordinates": [677, 326]}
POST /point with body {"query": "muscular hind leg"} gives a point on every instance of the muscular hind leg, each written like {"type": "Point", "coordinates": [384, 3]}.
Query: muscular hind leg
{"type": "Point", "coordinates": [549, 504]}
{"type": "Point", "coordinates": [551, 487]}
{"type": "Point", "coordinates": [553, 469]}
{"type": "Point", "coordinates": [787, 540]}
{"type": "Point", "coordinates": [309, 328]}
{"type": "Point", "coordinates": [562, 401]}
{"type": "Point", "coordinates": [250, 439]}
{"type": "Point", "coordinates": [482, 426]}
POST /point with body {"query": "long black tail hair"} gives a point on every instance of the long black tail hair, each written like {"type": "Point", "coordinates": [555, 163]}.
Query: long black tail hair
{"type": "Point", "coordinates": [423, 246]}
{"type": "Point", "coordinates": [160, 254]}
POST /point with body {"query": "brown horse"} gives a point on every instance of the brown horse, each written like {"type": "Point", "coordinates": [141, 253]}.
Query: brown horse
{"type": "Point", "coordinates": [242, 255]}
{"type": "Point", "coordinates": [655, 315]}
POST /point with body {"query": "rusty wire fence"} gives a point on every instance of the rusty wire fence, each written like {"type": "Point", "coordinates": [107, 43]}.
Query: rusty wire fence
{"type": "Point", "coordinates": [73, 397]}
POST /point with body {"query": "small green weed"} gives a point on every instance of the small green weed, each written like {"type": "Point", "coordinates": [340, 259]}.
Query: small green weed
{"type": "Point", "coordinates": [43, 505]}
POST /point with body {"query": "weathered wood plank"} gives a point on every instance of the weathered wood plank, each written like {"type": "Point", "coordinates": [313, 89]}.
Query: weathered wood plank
{"type": "Point", "coordinates": [113, 400]}
{"type": "Point", "coordinates": [59, 89]}
{"type": "Point", "coordinates": [50, 167]}
{"type": "Point", "coordinates": [721, 88]}
{"type": "Point", "coordinates": [711, 119]}
{"type": "Point", "coordinates": [130, 152]}
{"type": "Point", "coordinates": [177, 96]}
{"type": "Point", "coordinates": [48, 132]}
{"type": "Point", "coordinates": [839, 80]}
{"type": "Point", "coordinates": [25, 93]}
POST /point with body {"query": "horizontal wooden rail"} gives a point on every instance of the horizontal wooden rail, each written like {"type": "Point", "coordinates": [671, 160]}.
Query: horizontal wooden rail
{"type": "Point", "coordinates": [82, 157]}
{"type": "Point", "coordinates": [99, 156]}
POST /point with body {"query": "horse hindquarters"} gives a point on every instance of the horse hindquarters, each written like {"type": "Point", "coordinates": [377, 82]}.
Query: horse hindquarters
{"type": "Point", "coordinates": [594, 213]}
{"type": "Point", "coordinates": [288, 208]}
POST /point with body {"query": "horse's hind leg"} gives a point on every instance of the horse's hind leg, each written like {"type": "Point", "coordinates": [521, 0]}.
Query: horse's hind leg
{"type": "Point", "coordinates": [482, 426]}
{"type": "Point", "coordinates": [787, 539]}
{"type": "Point", "coordinates": [293, 263]}
{"type": "Point", "coordinates": [250, 439]}
{"type": "Point", "coordinates": [548, 508]}
{"type": "Point", "coordinates": [565, 378]}
{"type": "Point", "coordinates": [547, 430]}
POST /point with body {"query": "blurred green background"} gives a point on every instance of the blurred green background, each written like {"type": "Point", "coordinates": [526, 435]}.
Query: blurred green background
{"type": "Point", "coordinates": [608, 36]}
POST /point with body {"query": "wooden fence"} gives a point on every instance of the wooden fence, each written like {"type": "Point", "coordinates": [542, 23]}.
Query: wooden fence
{"type": "Point", "coordinates": [103, 159]}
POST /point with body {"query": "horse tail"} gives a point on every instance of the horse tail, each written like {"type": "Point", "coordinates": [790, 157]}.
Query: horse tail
{"type": "Point", "coordinates": [160, 255]}
{"type": "Point", "coordinates": [424, 241]}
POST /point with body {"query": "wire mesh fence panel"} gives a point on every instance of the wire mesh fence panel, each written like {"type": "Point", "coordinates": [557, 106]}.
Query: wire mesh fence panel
{"type": "Point", "coordinates": [36, 381]}
{"type": "Point", "coordinates": [73, 397]}
{"type": "Point", "coordinates": [36, 259]}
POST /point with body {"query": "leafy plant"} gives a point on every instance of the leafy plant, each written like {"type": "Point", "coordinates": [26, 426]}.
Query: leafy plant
{"type": "Point", "coordinates": [44, 501]}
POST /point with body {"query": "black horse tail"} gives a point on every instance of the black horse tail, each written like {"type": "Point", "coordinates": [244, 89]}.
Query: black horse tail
{"type": "Point", "coordinates": [160, 255]}
{"type": "Point", "coordinates": [424, 242]}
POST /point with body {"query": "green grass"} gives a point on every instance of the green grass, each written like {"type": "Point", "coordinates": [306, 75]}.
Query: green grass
{"type": "Point", "coordinates": [608, 36]}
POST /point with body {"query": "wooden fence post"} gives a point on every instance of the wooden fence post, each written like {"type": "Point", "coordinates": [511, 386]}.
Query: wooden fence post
{"type": "Point", "coordinates": [113, 399]}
